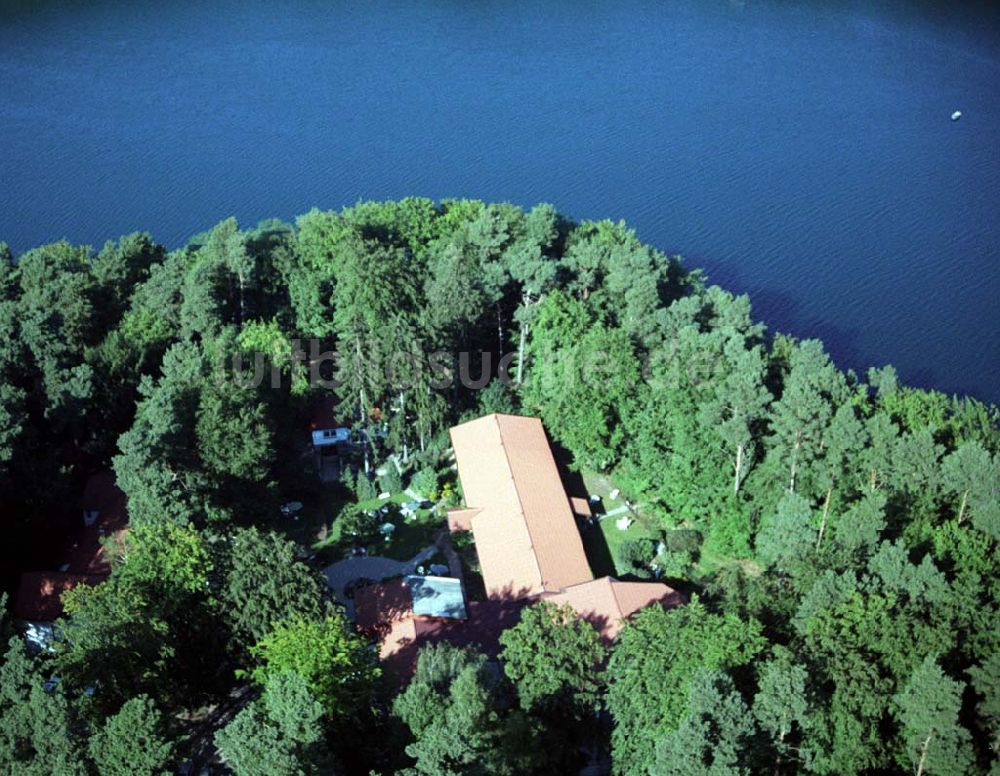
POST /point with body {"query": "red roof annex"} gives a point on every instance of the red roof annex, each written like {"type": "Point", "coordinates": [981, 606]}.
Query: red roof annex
{"type": "Point", "coordinates": [84, 557]}
{"type": "Point", "coordinates": [39, 593]}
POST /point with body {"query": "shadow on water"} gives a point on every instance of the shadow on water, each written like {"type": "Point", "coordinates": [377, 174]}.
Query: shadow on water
{"type": "Point", "coordinates": [843, 344]}
{"type": "Point", "coordinates": [784, 313]}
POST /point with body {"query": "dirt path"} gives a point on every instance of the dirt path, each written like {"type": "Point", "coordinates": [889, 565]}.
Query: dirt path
{"type": "Point", "coordinates": [341, 574]}
{"type": "Point", "coordinates": [443, 542]}
{"type": "Point", "coordinates": [619, 511]}
{"type": "Point", "coordinates": [199, 746]}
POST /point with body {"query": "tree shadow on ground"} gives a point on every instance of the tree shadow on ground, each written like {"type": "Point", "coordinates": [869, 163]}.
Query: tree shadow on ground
{"type": "Point", "coordinates": [602, 562]}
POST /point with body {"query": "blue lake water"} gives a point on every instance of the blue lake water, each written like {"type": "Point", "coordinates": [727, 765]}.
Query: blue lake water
{"type": "Point", "coordinates": [799, 151]}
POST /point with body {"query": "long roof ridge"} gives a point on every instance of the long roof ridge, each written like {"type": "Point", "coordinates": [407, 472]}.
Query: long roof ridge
{"type": "Point", "coordinates": [520, 501]}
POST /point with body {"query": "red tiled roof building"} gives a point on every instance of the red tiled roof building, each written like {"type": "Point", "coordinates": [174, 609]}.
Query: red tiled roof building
{"type": "Point", "coordinates": [528, 544]}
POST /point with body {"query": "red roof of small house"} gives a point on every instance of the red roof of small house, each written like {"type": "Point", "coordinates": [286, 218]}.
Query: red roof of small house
{"type": "Point", "coordinates": [403, 639]}
{"type": "Point", "coordinates": [606, 603]}
{"type": "Point", "coordinates": [526, 536]}
{"type": "Point", "coordinates": [39, 593]}
{"type": "Point", "coordinates": [84, 558]}
{"type": "Point", "coordinates": [84, 551]}
{"type": "Point", "coordinates": [380, 607]}
{"type": "Point", "coordinates": [580, 506]}
{"type": "Point", "coordinates": [488, 620]}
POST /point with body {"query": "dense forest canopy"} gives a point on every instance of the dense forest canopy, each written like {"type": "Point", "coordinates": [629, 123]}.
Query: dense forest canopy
{"type": "Point", "coordinates": [837, 533]}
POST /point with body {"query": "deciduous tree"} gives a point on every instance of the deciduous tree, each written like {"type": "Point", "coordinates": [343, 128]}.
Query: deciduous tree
{"type": "Point", "coordinates": [651, 669]}
{"type": "Point", "coordinates": [337, 665]}
{"type": "Point", "coordinates": [554, 660]}
{"type": "Point", "coordinates": [460, 712]}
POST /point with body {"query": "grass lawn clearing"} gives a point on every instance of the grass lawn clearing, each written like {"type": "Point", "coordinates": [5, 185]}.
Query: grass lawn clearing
{"type": "Point", "coordinates": [409, 538]}
{"type": "Point", "coordinates": [602, 541]}
{"type": "Point", "coordinates": [319, 505]}
{"type": "Point", "coordinates": [599, 484]}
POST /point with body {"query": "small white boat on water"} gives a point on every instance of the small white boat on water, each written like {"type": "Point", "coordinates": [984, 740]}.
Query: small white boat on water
{"type": "Point", "coordinates": [956, 115]}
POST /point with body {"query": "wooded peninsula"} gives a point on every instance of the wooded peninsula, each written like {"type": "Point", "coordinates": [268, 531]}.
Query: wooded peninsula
{"type": "Point", "coordinates": [218, 463]}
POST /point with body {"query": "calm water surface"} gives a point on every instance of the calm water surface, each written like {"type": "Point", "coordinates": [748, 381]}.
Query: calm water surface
{"type": "Point", "coordinates": [800, 151]}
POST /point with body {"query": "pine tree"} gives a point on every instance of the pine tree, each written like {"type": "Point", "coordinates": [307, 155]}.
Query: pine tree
{"type": "Point", "coordinates": [226, 247]}
{"type": "Point", "coordinates": [740, 402]}
{"type": "Point", "coordinates": [715, 735]}
{"type": "Point", "coordinates": [812, 392]}
{"type": "Point", "coordinates": [786, 538]}
{"type": "Point", "coordinates": [651, 669]}
{"type": "Point", "coordinates": [974, 478]}
{"type": "Point", "coordinates": [37, 726]}
{"type": "Point", "coordinates": [264, 583]}
{"type": "Point", "coordinates": [280, 732]}
{"type": "Point", "coordinates": [133, 741]}
{"type": "Point", "coordinates": [781, 705]}
{"type": "Point", "coordinates": [986, 682]}
{"type": "Point", "coordinates": [927, 710]}
{"type": "Point", "coordinates": [459, 710]}
{"type": "Point", "coordinates": [842, 442]}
